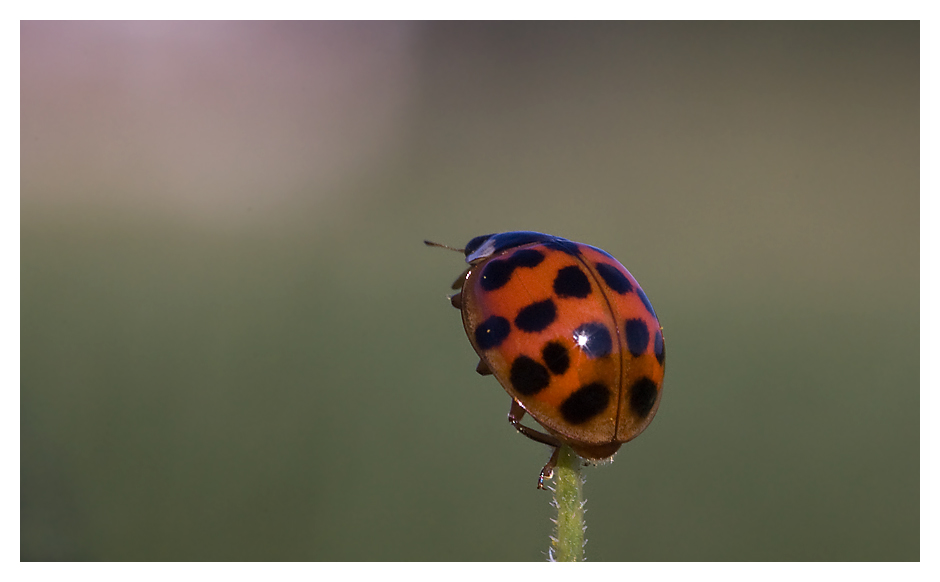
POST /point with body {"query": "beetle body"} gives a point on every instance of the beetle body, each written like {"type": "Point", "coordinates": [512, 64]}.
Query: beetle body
{"type": "Point", "coordinates": [570, 335]}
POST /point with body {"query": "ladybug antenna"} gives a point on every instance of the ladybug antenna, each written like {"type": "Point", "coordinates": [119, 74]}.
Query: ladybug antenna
{"type": "Point", "coordinates": [434, 244]}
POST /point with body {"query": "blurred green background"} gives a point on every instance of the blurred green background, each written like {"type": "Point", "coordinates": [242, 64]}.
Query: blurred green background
{"type": "Point", "coordinates": [236, 347]}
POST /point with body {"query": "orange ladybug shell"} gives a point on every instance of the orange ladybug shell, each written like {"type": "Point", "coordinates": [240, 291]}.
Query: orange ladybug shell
{"type": "Point", "coordinates": [569, 334]}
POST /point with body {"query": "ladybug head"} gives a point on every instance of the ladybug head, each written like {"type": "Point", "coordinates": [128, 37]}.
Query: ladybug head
{"type": "Point", "coordinates": [475, 243]}
{"type": "Point", "coordinates": [486, 245]}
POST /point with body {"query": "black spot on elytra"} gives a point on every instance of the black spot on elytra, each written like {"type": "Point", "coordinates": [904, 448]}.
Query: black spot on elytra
{"type": "Point", "coordinates": [527, 258]}
{"type": "Point", "coordinates": [643, 395]}
{"type": "Point", "coordinates": [492, 332]}
{"type": "Point", "coordinates": [556, 357]}
{"type": "Point", "coordinates": [537, 316]}
{"type": "Point", "coordinates": [614, 278]}
{"type": "Point", "coordinates": [585, 403]}
{"type": "Point", "coordinates": [496, 273]}
{"type": "Point", "coordinates": [638, 336]}
{"type": "Point", "coordinates": [527, 376]}
{"type": "Point", "coordinates": [593, 339]}
{"type": "Point", "coordinates": [659, 348]}
{"type": "Point", "coordinates": [646, 302]}
{"type": "Point", "coordinates": [571, 282]}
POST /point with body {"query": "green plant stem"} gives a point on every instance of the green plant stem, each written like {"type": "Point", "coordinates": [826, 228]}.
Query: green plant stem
{"type": "Point", "coordinates": [568, 542]}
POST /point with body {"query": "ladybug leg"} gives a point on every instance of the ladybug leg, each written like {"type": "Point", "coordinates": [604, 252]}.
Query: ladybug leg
{"type": "Point", "coordinates": [516, 412]}
{"type": "Point", "coordinates": [549, 469]}
{"type": "Point", "coordinates": [484, 370]}
{"type": "Point", "coordinates": [456, 300]}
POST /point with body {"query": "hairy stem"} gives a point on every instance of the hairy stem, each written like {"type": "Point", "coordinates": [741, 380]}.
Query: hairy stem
{"type": "Point", "coordinates": [568, 542]}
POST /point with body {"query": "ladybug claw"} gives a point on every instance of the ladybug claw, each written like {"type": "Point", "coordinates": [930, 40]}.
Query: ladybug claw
{"type": "Point", "coordinates": [543, 476]}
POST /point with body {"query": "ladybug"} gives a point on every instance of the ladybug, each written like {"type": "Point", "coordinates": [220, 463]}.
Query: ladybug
{"type": "Point", "coordinates": [569, 334]}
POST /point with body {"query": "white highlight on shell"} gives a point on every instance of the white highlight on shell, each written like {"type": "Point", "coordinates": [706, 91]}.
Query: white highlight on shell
{"type": "Point", "coordinates": [581, 339]}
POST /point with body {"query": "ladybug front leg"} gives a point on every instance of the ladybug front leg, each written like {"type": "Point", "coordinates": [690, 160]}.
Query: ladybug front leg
{"type": "Point", "coordinates": [516, 412]}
